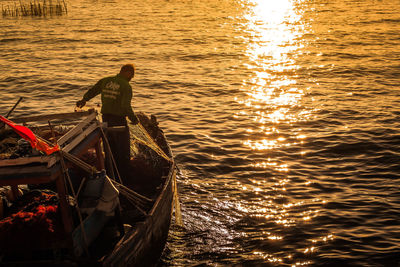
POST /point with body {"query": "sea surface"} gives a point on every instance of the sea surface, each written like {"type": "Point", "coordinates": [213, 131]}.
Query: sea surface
{"type": "Point", "coordinates": [283, 116]}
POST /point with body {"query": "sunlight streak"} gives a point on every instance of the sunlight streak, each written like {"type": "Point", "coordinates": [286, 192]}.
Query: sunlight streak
{"type": "Point", "coordinates": [274, 97]}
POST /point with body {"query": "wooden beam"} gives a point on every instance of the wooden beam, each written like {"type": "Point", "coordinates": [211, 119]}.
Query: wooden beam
{"type": "Point", "coordinates": [59, 116]}
{"type": "Point", "coordinates": [28, 175]}
{"type": "Point", "coordinates": [81, 137]}
{"type": "Point", "coordinates": [64, 206]}
{"type": "Point", "coordinates": [77, 129]}
{"type": "Point", "coordinates": [23, 161]}
{"type": "Point", "coordinates": [100, 157]}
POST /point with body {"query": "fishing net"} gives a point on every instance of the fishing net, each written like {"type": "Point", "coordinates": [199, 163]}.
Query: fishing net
{"type": "Point", "coordinates": [150, 135]}
{"type": "Point", "coordinates": [139, 134]}
{"type": "Point", "coordinates": [34, 217]}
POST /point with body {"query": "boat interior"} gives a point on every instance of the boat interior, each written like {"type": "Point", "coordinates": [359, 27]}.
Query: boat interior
{"type": "Point", "coordinates": [79, 204]}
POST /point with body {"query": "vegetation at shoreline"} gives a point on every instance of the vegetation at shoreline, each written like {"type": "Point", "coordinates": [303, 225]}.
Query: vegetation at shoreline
{"type": "Point", "coordinates": [37, 8]}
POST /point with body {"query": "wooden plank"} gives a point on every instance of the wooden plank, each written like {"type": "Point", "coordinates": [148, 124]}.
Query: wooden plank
{"type": "Point", "coordinates": [17, 170]}
{"type": "Point", "coordinates": [28, 175]}
{"type": "Point", "coordinates": [117, 129]}
{"type": "Point", "coordinates": [88, 142]}
{"type": "Point", "coordinates": [23, 161]}
{"type": "Point", "coordinates": [77, 129]}
{"type": "Point", "coordinates": [64, 206]}
{"type": "Point", "coordinates": [58, 116]}
{"type": "Point", "coordinates": [80, 137]}
{"type": "Point", "coordinates": [75, 142]}
{"type": "Point", "coordinates": [100, 157]}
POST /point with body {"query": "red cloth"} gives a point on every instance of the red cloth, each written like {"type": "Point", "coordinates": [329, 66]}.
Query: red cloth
{"type": "Point", "coordinates": [29, 136]}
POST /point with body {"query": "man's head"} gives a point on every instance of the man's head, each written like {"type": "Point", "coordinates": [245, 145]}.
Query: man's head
{"type": "Point", "coordinates": [128, 71]}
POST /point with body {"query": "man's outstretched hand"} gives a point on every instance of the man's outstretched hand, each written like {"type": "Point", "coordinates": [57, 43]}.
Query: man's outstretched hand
{"type": "Point", "coordinates": [81, 103]}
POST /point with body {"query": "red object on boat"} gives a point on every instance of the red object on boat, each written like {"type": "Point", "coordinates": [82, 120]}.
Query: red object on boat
{"type": "Point", "coordinates": [28, 135]}
{"type": "Point", "coordinates": [34, 218]}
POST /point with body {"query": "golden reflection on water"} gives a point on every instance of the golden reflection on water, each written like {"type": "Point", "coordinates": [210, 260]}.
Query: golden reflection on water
{"type": "Point", "coordinates": [282, 167]}
{"type": "Point", "coordinates": [273, 96]}
{"type": "Point", "coordinates": [268, 20]}
{"type": "Point", "coordinates": [273, 100]}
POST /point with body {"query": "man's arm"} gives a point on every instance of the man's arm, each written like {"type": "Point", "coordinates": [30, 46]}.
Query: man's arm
{"type": "Point", "coordinates": [126, 105]}
{"type": "Point", "coordinates": [92, 92]}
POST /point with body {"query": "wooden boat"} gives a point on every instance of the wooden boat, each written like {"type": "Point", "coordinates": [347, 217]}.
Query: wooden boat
{"type": "Point", "coordinates": [134, 233]}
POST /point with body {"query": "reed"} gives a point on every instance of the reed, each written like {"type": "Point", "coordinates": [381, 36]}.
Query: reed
{"type": "Point", "coordinates": [37, 8]}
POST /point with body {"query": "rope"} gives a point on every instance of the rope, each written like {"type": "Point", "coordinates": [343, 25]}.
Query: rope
{"type": "Point", "coordinates": [144, 201]}
{"type": "Point", "coordinates": [140, 198]}
{"type": "Point", "coordinates": [110, 153]}
{"type": "Point", "coordinates": [66, 174]}
{"type": "Point", "coordinates": [78, 162]}
{"type": "Point", "coordinates": [134, 203]}
{"type": "Point", "coordinates": [139, 201]}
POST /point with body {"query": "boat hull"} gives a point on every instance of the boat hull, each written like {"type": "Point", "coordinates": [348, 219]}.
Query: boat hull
{"type": "Point", "coordinates": [144, 244]}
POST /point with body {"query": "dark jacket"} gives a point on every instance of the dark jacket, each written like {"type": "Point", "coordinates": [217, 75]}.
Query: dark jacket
{"type": "Point", "coordinates": [116, 96]}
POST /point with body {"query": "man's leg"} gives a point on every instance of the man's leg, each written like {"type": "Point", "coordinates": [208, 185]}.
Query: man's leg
{"type": "Point", "coordinates": [119, 143]}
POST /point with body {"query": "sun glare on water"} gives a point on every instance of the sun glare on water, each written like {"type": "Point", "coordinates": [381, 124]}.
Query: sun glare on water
{"type": "Point", "coordinates": [274, 97]}
{"type": "Point", "coordinates": [273, 101]}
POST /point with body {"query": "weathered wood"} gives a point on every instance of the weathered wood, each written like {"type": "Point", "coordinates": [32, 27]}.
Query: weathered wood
{"type": "Point", "coordinates": [85, 144]}
{"type": "Point", "coordinates": [37, 180]}
{"type": "Point", "coordinates": [99, 155]}
{"type": "Point", "coordinates": [117, 129]}
{"type": "Point", "coordinates": [79, 163]}
{"type": "Point", "coordinates": [143, 245]}
{"type": "Point", "coordinates": [80, 137]}
{"type": "Point", "coordinates": [58, 116]}
{"type": "Point", "coordinates": [23, 161]}
{"type": "Point", "coordinates": [171, 175]}
{"type": "Point", "coordinates": [28, 175]}
{"type": "Point", "coordinates": [51, 159]}
{"type": "Point", "coordinates": [77, 129]}
{"type": "Point", "coordinates": [64, 206]}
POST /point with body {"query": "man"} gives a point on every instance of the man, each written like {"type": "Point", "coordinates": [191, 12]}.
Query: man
{"type": "Point", "coordinates": [116, 96]}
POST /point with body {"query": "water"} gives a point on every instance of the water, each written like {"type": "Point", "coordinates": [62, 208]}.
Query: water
{"type": "Point", "coordinates": [283, 116]}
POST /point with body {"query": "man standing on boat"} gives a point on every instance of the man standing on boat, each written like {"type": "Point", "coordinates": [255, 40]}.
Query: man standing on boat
{"type": "Point", "coordinates": [116, 96]}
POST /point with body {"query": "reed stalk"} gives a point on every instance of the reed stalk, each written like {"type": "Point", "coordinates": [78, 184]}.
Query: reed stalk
{"type": "Point", "coordinates": [37, 8]}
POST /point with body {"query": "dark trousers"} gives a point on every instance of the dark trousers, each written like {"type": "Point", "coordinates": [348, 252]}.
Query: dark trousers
{"type": "Point", "coordinates": [119, 143]}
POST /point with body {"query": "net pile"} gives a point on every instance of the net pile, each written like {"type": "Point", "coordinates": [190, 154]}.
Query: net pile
{"type": "Point", "coordinates": [32, 217]}
{"type": "Point", "coordinates": [149, 139]}
{"type": "Point", "coordinates": [139, 134]}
